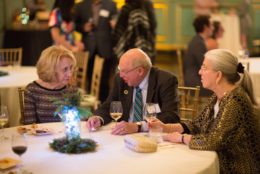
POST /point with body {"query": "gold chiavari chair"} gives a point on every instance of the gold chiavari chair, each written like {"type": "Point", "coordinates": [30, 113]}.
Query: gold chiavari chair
{"type": "Point", "coordinates": [21, 101]}
{"type": "Point", "coordinates": [92, 100]}
{"type": "Point", "coordinates": [189, 102]}
{"type": "Point", "coordinates": [11, 56]}
{"type": "Point", "coordinates": [96, 76]}
{"type": "Point", "coordinates": [180, 67]}
{"type": "Point", "coordinates": [81, 69]}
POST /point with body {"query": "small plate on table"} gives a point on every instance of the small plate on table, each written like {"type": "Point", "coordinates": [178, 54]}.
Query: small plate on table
{"type": "Point", "coordinates": [7, 163]}
{"type": "Point", "coordinates": [34, 129]}
{"type": "Point", "coordinates": [41, 131]}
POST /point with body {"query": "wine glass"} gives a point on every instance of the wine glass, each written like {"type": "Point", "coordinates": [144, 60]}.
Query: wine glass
{"type": "Point", "coordinates": [116, 110]}
{"type": "Point", "coordinates": [19, 146]}
{"type": "Point", "coordinates": [150, 112]}
{"type": "Point", "coordinates": [3, 120]}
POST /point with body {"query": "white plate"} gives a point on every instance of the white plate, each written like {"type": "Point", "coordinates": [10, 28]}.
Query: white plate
{"type": "Point", "coordinates": [41, 131]}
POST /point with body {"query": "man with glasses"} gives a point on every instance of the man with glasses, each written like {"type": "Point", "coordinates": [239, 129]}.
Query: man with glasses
{"type": "Point", "coordinates": [137, 76]}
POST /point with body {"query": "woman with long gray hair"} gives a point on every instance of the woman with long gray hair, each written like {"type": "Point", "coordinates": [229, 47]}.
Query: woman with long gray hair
{"type": "Point", "coordinates": [227, 124]}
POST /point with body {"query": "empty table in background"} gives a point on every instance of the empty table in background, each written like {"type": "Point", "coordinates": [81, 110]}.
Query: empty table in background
{"type": "Point", "coordinates": [9, 84]}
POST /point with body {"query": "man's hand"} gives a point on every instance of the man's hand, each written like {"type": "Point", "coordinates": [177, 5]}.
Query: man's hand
{"type": "Point", "coordinates": [88, 27]}
{"type": "Point", "coordinates": [123, 128]}
{"type": "Point", "coordinates": [93, 122]}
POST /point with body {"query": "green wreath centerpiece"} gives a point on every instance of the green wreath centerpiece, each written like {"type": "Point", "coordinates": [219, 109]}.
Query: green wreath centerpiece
{"type": "Point", "coordinates": [75, 146]}
{"type": "Point", "coordinates": [71, 113]}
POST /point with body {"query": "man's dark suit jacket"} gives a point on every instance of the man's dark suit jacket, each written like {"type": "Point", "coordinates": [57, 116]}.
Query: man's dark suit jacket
{"type": "Point", "coordinates": [162, 89]}
{"type": "Point", "coordinates": [193, 60]}
{"type": "Point", "coordinates": [100, 39]}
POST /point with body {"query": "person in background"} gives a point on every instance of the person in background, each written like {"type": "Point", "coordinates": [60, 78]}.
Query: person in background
{"type": "Point", "coordinates": [136, 28]}
{"type": "Point", "coordinates": [62, 26]}
{"type": "Point", "coordinates": [35, 6]}
{"type": "Point", "coordinates": [227, 124]}
{"type": "Point", "coordinates": [95, 19]}
{"type": "Point", "coordinates": [205, 7]}
{"type": "Point", "coordinates": [246, 23]}
{"type": "Point", "coordinates": [194, 55]}
{"type": "Point", "coordinates": [218, 31]}
{"type": "Point", "coordinates": [54, 68]}
{"type": "Point", "coordinates": [137, 76]}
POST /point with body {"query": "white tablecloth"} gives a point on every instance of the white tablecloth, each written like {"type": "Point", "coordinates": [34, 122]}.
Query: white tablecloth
{"type": "Point", "coordinates": [18, 77]}
{"type": "Point", "coordinates": [111, 157]}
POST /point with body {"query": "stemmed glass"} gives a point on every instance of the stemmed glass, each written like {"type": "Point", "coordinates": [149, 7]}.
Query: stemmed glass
{"type": "Point", "coordinates": [116, 110]}
{"type": "Point", "coordinates": [3, 120]}
{"type": "Point", "coordinates": [19, 146]}
{"type": "Point", "coordinates": [150, 114]}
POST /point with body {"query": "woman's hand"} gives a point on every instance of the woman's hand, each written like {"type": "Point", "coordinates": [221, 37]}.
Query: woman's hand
{"type": "Point", "coordinates": [88, 27]}
{"type": "Point", "coordinates": [79, 45]}
{"type": "Point", "coordinates": [177, 137]}
{"type": "Point", "coordinates": [174, 137]}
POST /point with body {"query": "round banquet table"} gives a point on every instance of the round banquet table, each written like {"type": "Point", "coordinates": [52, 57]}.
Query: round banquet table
{"type": "Point", "coordinates": [17, 77]}
{"type": "Point", "coordinates": [111, 156]}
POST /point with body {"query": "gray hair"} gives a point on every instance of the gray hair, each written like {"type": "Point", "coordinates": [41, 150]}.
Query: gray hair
{"type": "Point", "coordinates": [225, 61]}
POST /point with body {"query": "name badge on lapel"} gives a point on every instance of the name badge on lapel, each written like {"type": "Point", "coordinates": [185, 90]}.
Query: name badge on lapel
{"type": "Point", "coordinates": [104, 13]}
{"type": "Point", "coordinates": [125, 92]}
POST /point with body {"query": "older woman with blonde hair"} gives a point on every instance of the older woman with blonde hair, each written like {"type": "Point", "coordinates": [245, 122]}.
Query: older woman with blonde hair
{"type": "Point", "coordinates": [55, 70]}
{"type": "Point", "coordinates": [227, 124]}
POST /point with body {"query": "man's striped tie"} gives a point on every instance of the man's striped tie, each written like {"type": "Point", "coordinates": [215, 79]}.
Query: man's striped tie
{"type": "Point", "coordinates": [138, 105]}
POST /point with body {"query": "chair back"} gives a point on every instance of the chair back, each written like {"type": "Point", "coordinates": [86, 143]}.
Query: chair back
{"type": "Point", "coordinates": [189, 101]}
{"type": "Point", "coordinates": [21, 101]}
{"type": "Point", "coordinates": [180, 67]}
{"type": "Point", "coordinates": [96, 76]}
{"type": "Point", "coordinates": [81, 69]}
{"type": "Point", "coordinates": [11, 56]}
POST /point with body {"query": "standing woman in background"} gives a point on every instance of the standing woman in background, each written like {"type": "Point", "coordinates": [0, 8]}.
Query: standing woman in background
{"type": "Point", "coordinates": [62, 26]}
{"type": "Point", "coordinates": [136, 28]}
{"type": "Point", "coordinates": [246, 23]}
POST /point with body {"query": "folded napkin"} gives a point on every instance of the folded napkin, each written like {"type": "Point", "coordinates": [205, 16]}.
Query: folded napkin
{"type": "Point", "coordinates": [140, 143]}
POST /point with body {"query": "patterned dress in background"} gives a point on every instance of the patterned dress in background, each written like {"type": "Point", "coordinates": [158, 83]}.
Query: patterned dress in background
{"type": "Point", "coordinates": [66, 28]}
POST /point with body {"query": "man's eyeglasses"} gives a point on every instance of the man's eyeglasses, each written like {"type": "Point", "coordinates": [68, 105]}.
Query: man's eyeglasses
{"type": "Point", "coordinates": [126, 72]}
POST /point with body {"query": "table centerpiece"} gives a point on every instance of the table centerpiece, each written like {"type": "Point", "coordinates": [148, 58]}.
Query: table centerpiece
{"type": "Point", "coordinates": [70, 112]}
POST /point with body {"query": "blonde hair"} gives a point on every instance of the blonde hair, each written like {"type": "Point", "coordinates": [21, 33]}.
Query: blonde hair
{"type": "Point", "coordinates": [50, 57]}
{"type": "Point", "coordinates": [225, 61]}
